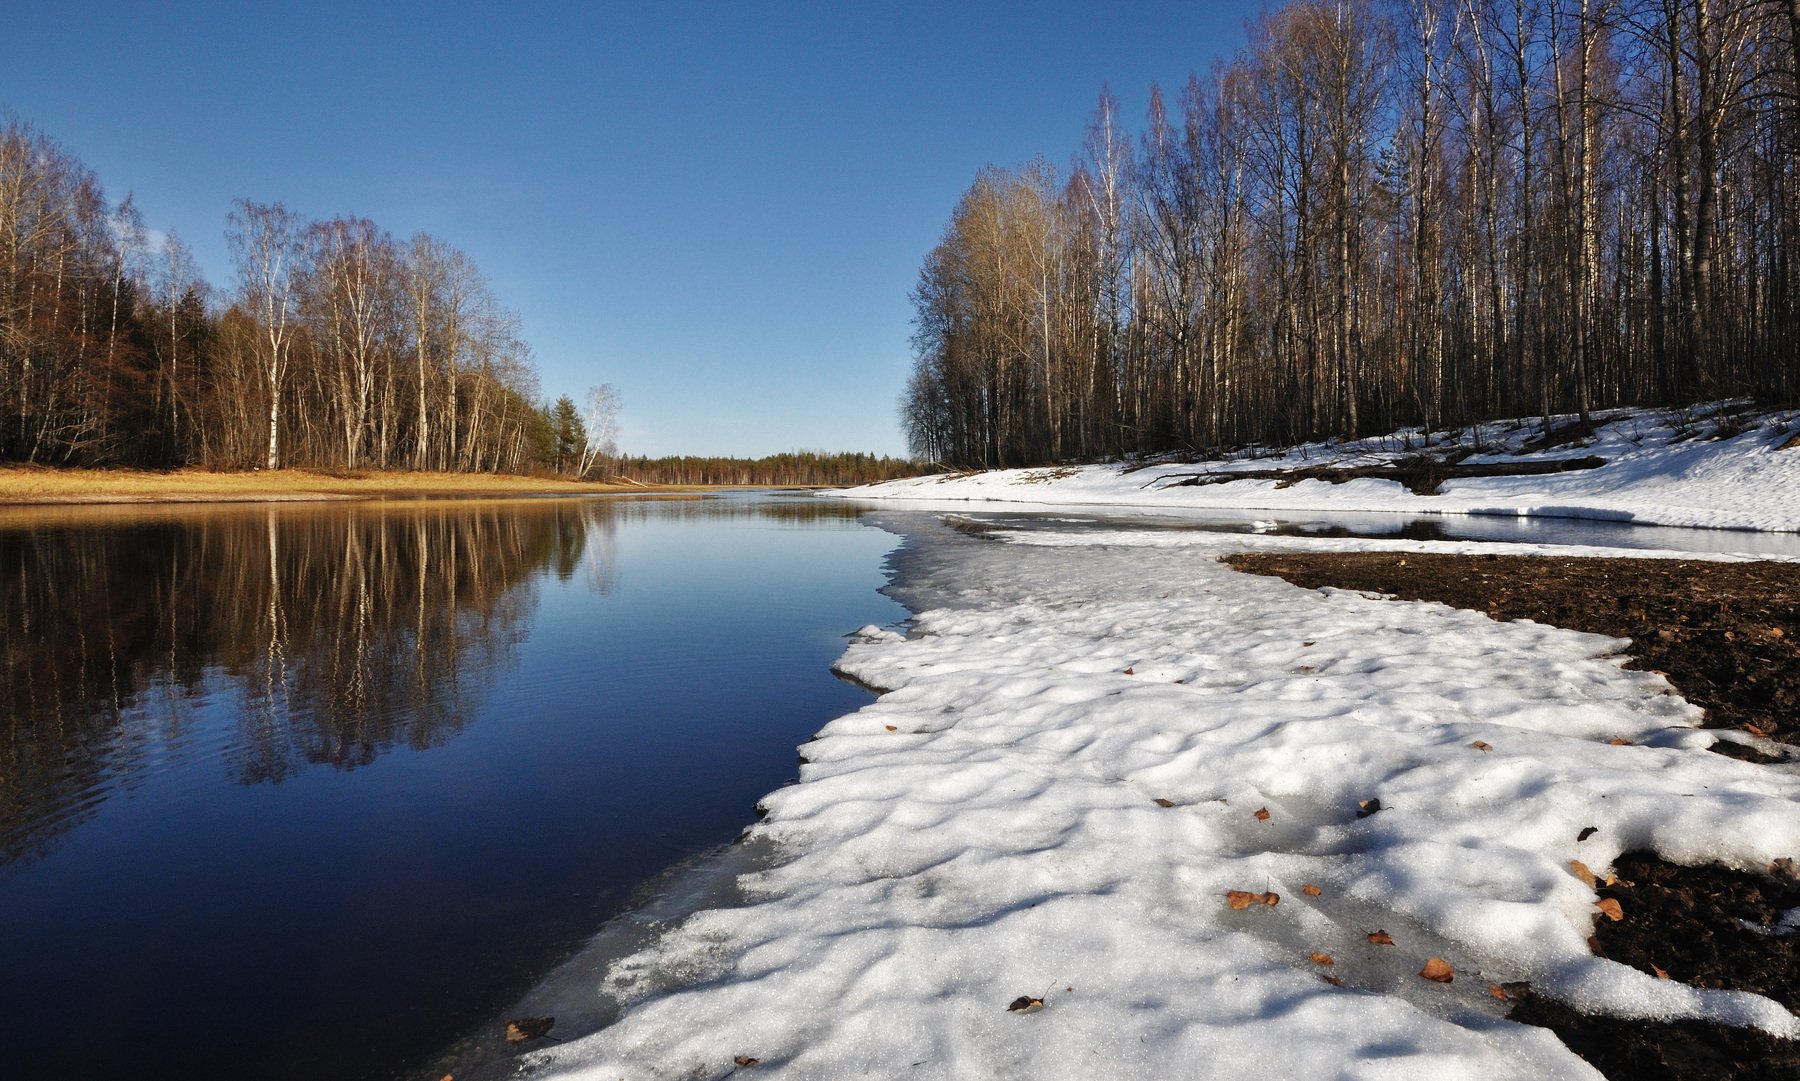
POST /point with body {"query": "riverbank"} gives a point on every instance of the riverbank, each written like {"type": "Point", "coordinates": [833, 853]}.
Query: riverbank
{"type": "Point", "coordinates": [38, 485]}
{"type": "Point", "coordinates": [1094, 746]}
{"type": "Point", "coordinates": [1722, 466]}
{"type": "Point", "coordinates": [1123, 811]}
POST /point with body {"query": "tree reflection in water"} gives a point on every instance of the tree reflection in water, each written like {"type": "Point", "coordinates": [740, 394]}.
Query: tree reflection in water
{"type": "Point", "coordinates": [336, 632]}
{"type": "Point", "coordinates": [341, 632]}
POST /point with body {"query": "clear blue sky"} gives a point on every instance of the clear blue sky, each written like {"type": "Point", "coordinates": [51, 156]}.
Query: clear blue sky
{"type": "Point", "coordinates": [719, 208]}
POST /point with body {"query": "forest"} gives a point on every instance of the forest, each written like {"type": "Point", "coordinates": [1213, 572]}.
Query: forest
{"type": "Point", "coordinates": [341, 346]}
{"type": "Point", "coordinates": [795, 467]}
{"type": "Point", "coordinates": [1379, 214]}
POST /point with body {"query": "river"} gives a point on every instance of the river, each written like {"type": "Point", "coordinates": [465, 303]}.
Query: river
{"type": "Point", "coordinates": [308, 791]}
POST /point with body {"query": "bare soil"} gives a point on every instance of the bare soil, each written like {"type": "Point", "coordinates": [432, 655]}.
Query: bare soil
{"type": "Point", "coordinates": [1727, 636]}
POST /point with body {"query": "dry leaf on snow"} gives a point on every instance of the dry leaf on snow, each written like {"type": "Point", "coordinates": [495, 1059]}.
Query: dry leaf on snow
{"type": "Point", "coordinates": [522, 1029]}
{"type": "Point", "coordinates": [1262, 814]}
{"type": "Point", "coordinates": [1311, 890]}
{"type": "Point", "coordinates": [1025, 1004]}
{"type": "Point", "coordinates": [1381, 938]}
{"type": "Point", "coordinates": [1582, 872]}
{"type": "Point", "coordinates": [1242, 899]}
{"type": "Point", "coordinates": [1160, 802]}
{"type": "Point", "coordinates": [1437, 970]}
{"type": "Point", "coordinates": [746, 1061]}
{"type": "Point", "coordinates": [1482, 745]}
{"type": "Point", "coordinates": [1611, 908]}
{"type": "Point", "coordinates": [1320, 959]}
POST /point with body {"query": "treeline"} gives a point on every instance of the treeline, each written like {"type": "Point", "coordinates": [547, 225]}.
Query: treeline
{"type": "Point", "coordinates": [1384, 213]}
{"type": "Point", "coordinates": [341, 345]}
{"type": "Point", "coordinates": [797, 467]}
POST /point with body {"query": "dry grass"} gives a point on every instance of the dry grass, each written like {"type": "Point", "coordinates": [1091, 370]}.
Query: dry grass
{"type": "Point", "coordinates": [38, 485]}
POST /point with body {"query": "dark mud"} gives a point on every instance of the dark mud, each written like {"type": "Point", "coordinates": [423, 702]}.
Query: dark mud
{"type": "Point", "coordinates": [1727, 636]}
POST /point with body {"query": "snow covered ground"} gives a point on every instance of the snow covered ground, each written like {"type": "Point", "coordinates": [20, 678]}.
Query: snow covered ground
{"type": "Point", "coordinates": [1112, 774]}
{"type": "Point", "coordinates": [1662, 468]}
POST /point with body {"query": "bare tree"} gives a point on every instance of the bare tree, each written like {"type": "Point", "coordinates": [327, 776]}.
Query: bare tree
{"type": "Point", "coordinates": [265, 245]}
{"type": "Point", "coordinates": [600, 416]}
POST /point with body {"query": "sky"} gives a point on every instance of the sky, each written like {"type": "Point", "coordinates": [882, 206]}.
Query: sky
{"type": "Point", "coordinates": [719, 208]}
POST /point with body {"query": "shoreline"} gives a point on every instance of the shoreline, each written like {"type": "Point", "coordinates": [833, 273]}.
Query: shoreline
{"type": "Point", "coordinates": [1061, 709]}
{"type": "Point", "coordinates": [39, 486]}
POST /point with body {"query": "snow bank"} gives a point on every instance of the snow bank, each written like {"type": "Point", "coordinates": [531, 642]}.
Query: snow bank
{"type": "Point", "coordinates": [993, 827]}
{"type": "Point", "coordinates": [1662, 468]}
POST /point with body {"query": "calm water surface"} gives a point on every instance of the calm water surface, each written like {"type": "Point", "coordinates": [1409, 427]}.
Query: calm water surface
{"type": "Point", "coordinates": [305, 792]}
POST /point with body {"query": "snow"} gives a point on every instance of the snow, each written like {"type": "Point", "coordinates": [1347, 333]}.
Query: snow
{"type": "Point", "coordinates": [1661, 468]}
{"type": "Point", "coordinates": [989, 828]}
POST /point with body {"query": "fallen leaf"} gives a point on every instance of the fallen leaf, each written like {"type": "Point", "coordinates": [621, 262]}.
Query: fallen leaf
{"type": "Point", "coordinates": [1306, 643]}
{"type": "Point", "coordinates": [1611, 908]}
{"type": "Point", "coordinates": [1587, 832]}
{"type": "Point", "coordinates": [1594, 946]}
{"type": "Point", "coordinates": [1482, 745]}
{"type": "Point", "coordinates": [1381, 938]}
{"type": "Point", "coordinates": [1618, 742]}
{"type": "Point", "coordinates": [1160, 802]}
{"type": "Point", "coordinates": [1759, 733]}
{"type": "Point", "coordinates": [1330, 979]}
{"type": "Point", "coordinates": [523, 1029]}
{"type": "Point", "coordinates": [746, 1061]}
{"type": "Point", "coordinates": [1365, 808]}
{"type": "Point", "coordinates": [1498, 992]}
{"type": "Point", "coordinates": [893, 728]}
{"type": "Point", "coordinates": [1660, 974]}
{"type": "Point", "coordinates": [1131, 671]}
{"type": "Point", "coordinates": [1777, 632]}
{"type": "Point", "coordinates": [1025, 1004]}
{"type": "Point", "coordinates": [1320, 959]}
{"type": "Point", "coordinates": [1582, 872]}
{"type": "Point", "coordinates": [1610, 880]}
{"type": "Point", "coordinates": [1311, 890]}
{"type": "Point", "coordinates": [1262, 814]}
{"type": "Point", "coordinates": [1242, 899]}
{"type": "Point", "coordinates": [1437, 970]}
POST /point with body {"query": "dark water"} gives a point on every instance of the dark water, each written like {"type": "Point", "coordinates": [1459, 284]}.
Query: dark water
{"type": "Point", "coordinates": [306, 792]}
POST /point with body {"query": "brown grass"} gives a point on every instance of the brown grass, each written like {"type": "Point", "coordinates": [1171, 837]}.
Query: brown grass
{"type": "Point", "coordinates": [39, 485]}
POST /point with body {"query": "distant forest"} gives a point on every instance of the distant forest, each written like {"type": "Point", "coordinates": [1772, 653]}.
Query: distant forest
{"type": "Point", "coordinates": [799, 467]}
{"type": "Point", "coordinates": [1384, 213]}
